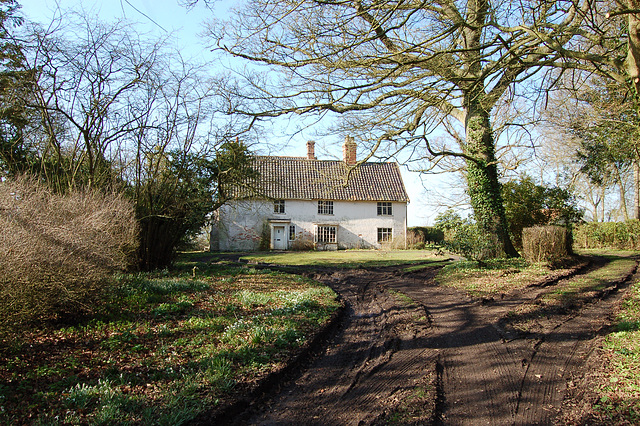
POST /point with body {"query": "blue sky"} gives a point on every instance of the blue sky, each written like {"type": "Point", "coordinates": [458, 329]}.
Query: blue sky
{"type": "Point", "coordinates": [164, 17]}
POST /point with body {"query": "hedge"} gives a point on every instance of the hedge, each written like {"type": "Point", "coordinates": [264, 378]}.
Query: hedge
{"type": "Point", "coordinates": [618, 235]}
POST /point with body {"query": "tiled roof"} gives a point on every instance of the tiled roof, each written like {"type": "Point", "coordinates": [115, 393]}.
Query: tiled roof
{"type": "Point", "coordinates": [298, 178]}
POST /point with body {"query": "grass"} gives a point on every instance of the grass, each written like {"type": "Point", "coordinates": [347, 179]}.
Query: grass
{"type": "Point", "coordinates": [619, 391]}
{"type": "Point", "coordinates": [166, 348]}
{"type": "Point", "coordinates": [498, 276]}
{"type": "Point", "coordinates": [572, 294]}
{"type": "Point", "coordinates": [569, 295]}
{"type": "Point", "coordinates": [346, 258]}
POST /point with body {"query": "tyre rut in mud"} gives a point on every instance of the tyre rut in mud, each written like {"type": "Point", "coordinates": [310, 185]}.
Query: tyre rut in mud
{"type": "Point", "coordinates": [405, 339]}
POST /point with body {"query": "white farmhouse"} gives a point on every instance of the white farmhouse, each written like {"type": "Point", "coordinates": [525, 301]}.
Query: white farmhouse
{"type": "Point", "coordinates": [306, 203]}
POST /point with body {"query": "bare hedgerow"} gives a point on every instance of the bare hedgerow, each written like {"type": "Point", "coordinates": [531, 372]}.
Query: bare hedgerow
{"type": "Point", "coordinates": [58, 253]}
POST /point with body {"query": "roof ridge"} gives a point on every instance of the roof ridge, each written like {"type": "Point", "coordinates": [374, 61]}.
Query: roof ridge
{"type": "Point", "coordinates": [286, 157]}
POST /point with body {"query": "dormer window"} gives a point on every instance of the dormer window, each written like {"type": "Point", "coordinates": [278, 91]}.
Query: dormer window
{"type": "Point", "coordinates": [278, 206]}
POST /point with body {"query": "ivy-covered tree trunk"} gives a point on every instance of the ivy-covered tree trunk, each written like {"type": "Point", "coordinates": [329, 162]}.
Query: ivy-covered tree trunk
{"type": "Point", "coordinates": [636, 189]}
{"type": "Point", "coordinates": [482, 179]}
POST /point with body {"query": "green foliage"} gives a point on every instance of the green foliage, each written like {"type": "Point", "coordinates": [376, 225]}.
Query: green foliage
{"type": "Point", "coordinates": [473, 242]}
{"type": "Point", "coordinates": [528, 204]}
{"type": "Point", "coordinates": [448, 221]}
{"type": "Point", "coordinates": [173, 204]}
{"type": "Point", "coordinates": [15, 157]}
{"type": "Point", "coordinates": [466, 237]}
{"type": "Point", "coordinates": [619, 235]}
{"type": "Point", "coordinates": [422, 235]}
{"type": "Point", "coordinates": [607, 140]}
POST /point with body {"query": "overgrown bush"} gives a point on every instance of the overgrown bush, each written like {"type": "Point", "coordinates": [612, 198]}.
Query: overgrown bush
{"type": "Point", "coordinates": [546, 243]}
{"type": "Point", "coordinates": [466, 238]}
{"type": "Point", "coordinates": [265, 238]}
{"type": "Point", "coordinates": [619, 235]}
{"type": "Point", "coordinates": [470, 241]}
{"type": "Point", "coordinates": [58, 253]}
{"type": "Point", "coordinates": [302, 243]}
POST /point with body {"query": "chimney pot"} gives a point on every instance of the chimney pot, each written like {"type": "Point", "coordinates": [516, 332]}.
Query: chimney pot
{"type": "Point", "coordinates": [349, 151]}
{"type": "Point", "coordinates": [311, 152]}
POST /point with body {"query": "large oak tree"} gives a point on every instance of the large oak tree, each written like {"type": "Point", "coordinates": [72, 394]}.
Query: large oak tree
{"type": "Point", "coordinates": [395, 69]}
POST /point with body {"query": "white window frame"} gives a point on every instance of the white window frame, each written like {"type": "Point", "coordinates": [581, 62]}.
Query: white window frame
{"type": "Point", "coordinates": [292, 232]}
{"type": "Point", "coordinates": [278, 206]}
{"type": "Point", "coordinates": [385, 235]}
{"type": "Point", "coordinates": [325, 207]}
{"type": "Point", "coordinates": [385, 208]}
{"type": "Point", "coordinates": [326, 234]}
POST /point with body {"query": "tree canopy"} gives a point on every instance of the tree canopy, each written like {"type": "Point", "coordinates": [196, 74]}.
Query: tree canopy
{"type": "Point", "coordinates": [395, 70]}
{"type": "Point", "coordinates": [529, 204]}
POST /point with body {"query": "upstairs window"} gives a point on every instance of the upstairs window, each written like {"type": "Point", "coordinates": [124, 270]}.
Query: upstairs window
{"type": "Point", "coordinates": [385, 235]}
{"type": "Point", "coordinates": [325, 207]}
{"type": "Point", "coordinates": [384, 208]}
{"type": "Point", "coordinates": [278, 206]}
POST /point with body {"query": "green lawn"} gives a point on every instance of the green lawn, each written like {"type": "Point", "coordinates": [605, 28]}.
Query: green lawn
{"type": "Point", "coordinates": [346, 258]}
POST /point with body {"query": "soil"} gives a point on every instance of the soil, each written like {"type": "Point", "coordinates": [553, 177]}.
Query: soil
{"type": "Point", "coordinates": [407, 351]}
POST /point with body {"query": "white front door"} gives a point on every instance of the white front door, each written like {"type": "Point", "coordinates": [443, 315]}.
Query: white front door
{"type": "Point", "coordinates": [279, 239]}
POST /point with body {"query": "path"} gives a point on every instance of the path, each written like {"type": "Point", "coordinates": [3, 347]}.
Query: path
{"type": "Point", "coordinates": [402, 332]}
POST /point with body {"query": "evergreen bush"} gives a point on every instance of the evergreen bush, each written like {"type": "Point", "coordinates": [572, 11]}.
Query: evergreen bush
{"type": "Point", "coordinates": [420, 236]}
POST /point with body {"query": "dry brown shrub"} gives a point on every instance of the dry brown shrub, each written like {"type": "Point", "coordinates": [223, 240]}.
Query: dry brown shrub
{"type": "Point", "coordinates": [546, 243]}
{"type": "Point", "coordinates": [58, 253]}
{"type": "Point", "coordinates": [302, 243]}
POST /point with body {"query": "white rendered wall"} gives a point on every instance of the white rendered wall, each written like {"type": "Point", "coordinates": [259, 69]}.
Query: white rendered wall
{"type": "Point", "coordinates": [241, 223]}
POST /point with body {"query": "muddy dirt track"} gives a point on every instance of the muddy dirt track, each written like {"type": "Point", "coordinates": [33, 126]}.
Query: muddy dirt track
{"type": "Point", "coordinates": [405, 342]}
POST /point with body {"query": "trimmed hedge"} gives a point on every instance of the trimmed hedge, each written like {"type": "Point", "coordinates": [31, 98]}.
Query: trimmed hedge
{"type": "Point", "coordinates": [618, 235]}
{"type": "Point", "coordinates": [546, 243]}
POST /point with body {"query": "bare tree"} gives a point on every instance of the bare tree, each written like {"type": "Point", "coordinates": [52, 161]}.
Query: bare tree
{"type": "Point", "coordinates": [82, 90]}
{"type": "Point", "coordinates": [113, 109]}
{"type": "Point", "coordinates": [395, 70]}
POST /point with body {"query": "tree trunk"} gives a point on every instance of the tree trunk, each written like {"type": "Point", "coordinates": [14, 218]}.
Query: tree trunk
{"type": "Point", "coordinates": [636, 190]}
{"type": "Point", "coordinates": [482, 180]}
{"type": "Point", "coordinates": [632, 62]}
{"type": "Point", "coordinates": [621, 192]}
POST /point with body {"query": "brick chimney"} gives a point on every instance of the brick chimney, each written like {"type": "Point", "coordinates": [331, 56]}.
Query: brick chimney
{"type": "Point", "coordinates": [349, 151]}
{"type": "Point", "coordinates": [311, 150]}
